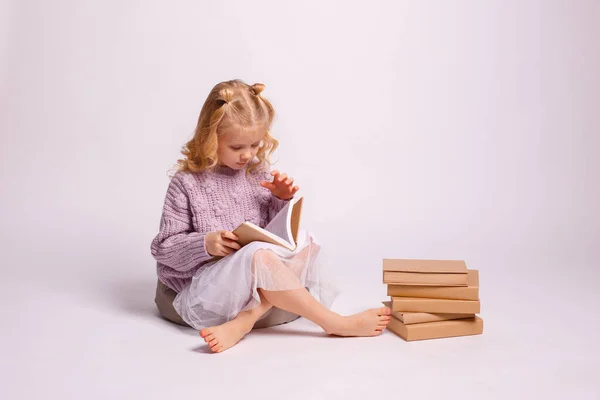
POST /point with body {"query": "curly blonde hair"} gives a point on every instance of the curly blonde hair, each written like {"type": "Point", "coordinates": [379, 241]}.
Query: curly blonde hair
{"type": "Point", "coordinates": [235, 104]}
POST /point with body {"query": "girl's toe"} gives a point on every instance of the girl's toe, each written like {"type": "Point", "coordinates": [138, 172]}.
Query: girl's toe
{"type": "Point", "coordinates": [385, 311]}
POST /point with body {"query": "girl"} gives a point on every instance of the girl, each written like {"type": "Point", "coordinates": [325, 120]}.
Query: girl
{"type": "Point", "coordinates": [205, 279]}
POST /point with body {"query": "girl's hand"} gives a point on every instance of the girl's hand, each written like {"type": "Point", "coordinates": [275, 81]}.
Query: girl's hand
{"type": "Point", "coordinates": [221, 243]}
{"type": "Point", "coordinates": [282, 186]}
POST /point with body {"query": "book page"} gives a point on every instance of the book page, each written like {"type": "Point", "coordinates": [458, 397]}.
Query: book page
{"type": "Point", "coordinates": [247, 232]}
{"type": "Point", "coordinates": [279, 224]}
{"type": "Point", "coordinates": [295, 215]}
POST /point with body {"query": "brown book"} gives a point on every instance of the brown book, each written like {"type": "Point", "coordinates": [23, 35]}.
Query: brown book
{"type": "Point", "coordinates": [436, 330]}
{"type": "Point", "coordinates": [424, 279]}
{"type": "Point", "coordinates": [443, 306]}
{"type": "Point", "coordinates": [282, 230]}
{"type": "Point", "coordinates": [470, 292]}
{"type": "Point", "coordinates": [418, 318]}
{"type": "Point", "coordinates": [402, 271]}
{"type": "Point", "coordinates": [425, 266]}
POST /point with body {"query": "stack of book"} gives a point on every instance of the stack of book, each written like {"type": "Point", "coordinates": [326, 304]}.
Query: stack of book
{"type": "Point", "coordinates": [432, 299]}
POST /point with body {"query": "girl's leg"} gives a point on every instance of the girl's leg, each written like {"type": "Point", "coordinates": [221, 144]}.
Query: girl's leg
{"type": "Point", "coordinates": [300, 302]}
{"type": "Point", "coordinates": [224, 336]}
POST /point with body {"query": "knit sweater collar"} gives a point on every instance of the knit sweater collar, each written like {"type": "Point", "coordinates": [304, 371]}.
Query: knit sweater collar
{"type": "Point", "coordinates": [226, 171]}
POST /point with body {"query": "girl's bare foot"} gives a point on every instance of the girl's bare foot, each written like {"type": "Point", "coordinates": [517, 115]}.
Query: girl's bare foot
{"type": "Point", "coordinates": [367, 323]}
{"type": "Point", "coordinates": [221, 337]}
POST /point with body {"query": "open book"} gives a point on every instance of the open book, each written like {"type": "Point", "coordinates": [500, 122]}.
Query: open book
{"type": "Point", "coordinates": [282, 230]}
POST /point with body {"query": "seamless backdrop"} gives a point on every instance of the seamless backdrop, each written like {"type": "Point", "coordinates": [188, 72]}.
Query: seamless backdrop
{"type": "Point", "coordinates": [433, 129]}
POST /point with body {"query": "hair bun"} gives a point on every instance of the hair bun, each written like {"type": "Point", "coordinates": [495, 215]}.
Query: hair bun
{"type": "Point", "coordinates": [257, 88]}
{"type": "Point", "coordinates": [226, 95]}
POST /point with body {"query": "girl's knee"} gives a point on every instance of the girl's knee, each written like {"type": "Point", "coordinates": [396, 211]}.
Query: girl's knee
{"type": "Point", "coordinates": [266, 260]}
{"type": "Point", "coordinates": [264, 256]}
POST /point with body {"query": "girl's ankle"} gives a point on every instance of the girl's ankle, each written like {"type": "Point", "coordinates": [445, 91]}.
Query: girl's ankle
{"type": "Point", "coordinates": [334, 325]}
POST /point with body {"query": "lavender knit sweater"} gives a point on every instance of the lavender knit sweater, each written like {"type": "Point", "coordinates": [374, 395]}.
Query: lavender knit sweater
{"type": "Point", "coordinates": [199, 203]}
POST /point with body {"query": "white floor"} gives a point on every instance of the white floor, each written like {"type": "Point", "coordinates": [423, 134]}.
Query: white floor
{"type": "Point", "coordinates": [103, 339]}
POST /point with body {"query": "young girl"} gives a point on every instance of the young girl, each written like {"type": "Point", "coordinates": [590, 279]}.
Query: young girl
{"type": "Point", "coordinates": [206, 280]}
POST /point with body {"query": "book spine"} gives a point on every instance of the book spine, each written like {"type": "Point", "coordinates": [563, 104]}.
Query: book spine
{"type": "Point", "coordinates": [427, 266]}
{"type": "Point", "coordinates": [444, 329]}
{"type": "Point", "coordinates": [419, 318]}
{"type": "Point", "coordinates": [440, 292]}
{"type": "Point", "coordinates": [424, 279]}
{"type": "Point", "coordinates": [442, 306]}
{"type": "Point", "coordinates": [397, 327]}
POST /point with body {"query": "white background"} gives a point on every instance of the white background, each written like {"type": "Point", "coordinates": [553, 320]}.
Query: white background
{"type": "Point", "coordinates": [425, 129]}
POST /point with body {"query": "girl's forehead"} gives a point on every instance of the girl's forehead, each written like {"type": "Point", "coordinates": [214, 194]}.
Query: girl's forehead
{"type": "Point", "coordinates": [234, 134]}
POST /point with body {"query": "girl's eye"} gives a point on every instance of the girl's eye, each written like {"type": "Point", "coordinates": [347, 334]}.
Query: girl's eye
{"type": "Point", "coordinates": [236, 148]}
{"type": "Point", "coordinates": [255, 145]}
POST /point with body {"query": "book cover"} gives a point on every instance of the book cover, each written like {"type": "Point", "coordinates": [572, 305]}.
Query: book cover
{"type": "Point", "coordinates": [424, 279]}
{"type": "Point", "coordinates": [470, 292]}
{"type": "Point", "coordinates": [436, 330]}
{"type": "Point", "coordinates": [425, 266]}
{"type": "Point", "coordinates": [418, 318]}
{"type": "Point", "coordinates": [282, 230]}
{"type": "Point", "coordinates": [443, 306]}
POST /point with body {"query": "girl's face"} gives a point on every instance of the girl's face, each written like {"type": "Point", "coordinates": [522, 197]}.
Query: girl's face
{"type": "Point", "coordinates": [237, 147]}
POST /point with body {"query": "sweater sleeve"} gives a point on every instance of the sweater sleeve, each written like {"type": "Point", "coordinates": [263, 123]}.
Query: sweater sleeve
{"type": "Point", "coordinates": [177, 245]}
{"type": "Point", "coordinates": [276, 205]}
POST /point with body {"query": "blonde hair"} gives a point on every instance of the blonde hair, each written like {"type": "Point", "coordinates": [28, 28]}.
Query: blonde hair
{"type": "Point", "coordinates": [229, 104]}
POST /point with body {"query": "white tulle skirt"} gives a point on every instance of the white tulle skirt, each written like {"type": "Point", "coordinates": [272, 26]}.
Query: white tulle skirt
{"type": "Point", "coordinates": [221, 289]}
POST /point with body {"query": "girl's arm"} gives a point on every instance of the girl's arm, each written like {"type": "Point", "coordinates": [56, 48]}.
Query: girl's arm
{"type": "Point", "coordinates": [282, 190]}
{"type": "Point", "coordinates": [177, 245]}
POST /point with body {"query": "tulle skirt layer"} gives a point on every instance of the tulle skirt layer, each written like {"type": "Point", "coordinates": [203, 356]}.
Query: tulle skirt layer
{"type": "Point", "coordinates": [223, 288]}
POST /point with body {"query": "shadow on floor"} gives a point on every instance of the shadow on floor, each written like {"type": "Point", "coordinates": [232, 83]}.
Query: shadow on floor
{"type": "Point", "coordinates": [136, 297]}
